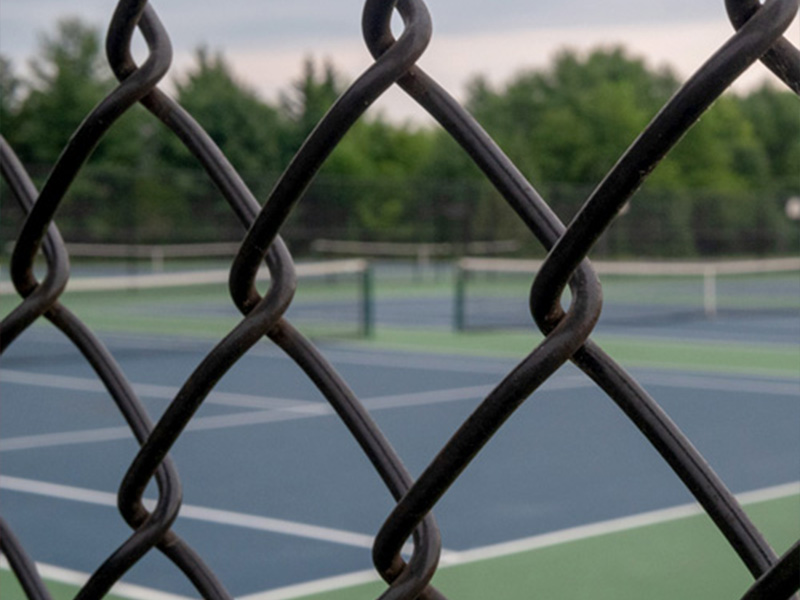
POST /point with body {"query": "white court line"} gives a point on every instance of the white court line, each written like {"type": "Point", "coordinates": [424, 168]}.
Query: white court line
{"type": "Point", "coordinates": [78, 579]}
{"type": "Point", "coordinates": [193, 512]}
{"type": "Point", "coordinates": [299, 410]}
{"type": "Point", "coordinates": [611, 526]}
{"type": "Point", "coordinates": [108, 434]}
{"type": "Point", "coordinates": [546, 540]}
{"type": "Point", "coordinates": [449, 558]}
{"type": "Point", "coordinates": [409, 359]}
{"type": "Point", "coordinates": [285, 411]}
{"type": "Point", "coordinates": [144, 390]}
{"type": "Point", "coordinates": [722, 384]}
{"type": "Point", "coordinates": [393, 358]}
{"type": "Point", "coordinates": [319, 586]}
{"type": "Point", "coordinates": [66, 438]}
{"type": "Point", "coordinates": [465, 393]}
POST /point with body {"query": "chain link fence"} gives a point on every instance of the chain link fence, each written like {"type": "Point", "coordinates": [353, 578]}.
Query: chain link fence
{"type": "Point", "coordinates": [460, 212]}
{"type": "Point", "coordinates": [758, 36]}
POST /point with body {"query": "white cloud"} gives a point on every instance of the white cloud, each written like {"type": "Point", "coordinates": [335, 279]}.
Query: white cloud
{"type": "Point", "coordinates": [267, 41]}
{"type": "Point", "coordinates": [456, 58]}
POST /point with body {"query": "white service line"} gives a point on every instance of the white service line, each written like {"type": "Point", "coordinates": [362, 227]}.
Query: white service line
{"type": "Point", "coordinates": [722, 384]}
{"type": "Point", "coordinates": [193, 512]}
{"type": "Point", "coordinates": [66, 438]}
{"type": "Point", "coordinates": [463, 393]}
{"type": "Point", "coordinates": [281, 410]}
{"type": "Point", "coordinates": [291, 410]}
{"type": "Point", "coordinates": [284, 409]}
{"type": "Point", "coordinates": [393, 358]}
{"type": "Point", "coordinates": [318, 586]}
{"type": "Point", "coordinates": [451, 558]}
{"type": "Point", "coordinates": [144, 390]}
{"type": "Point", "coordinates": [108, 434]}
{"type": "Point", "coordinates": [610, 526]}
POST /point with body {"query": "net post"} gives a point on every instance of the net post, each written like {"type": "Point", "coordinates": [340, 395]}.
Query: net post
{"type": "Point", "coordinates": [367, 301]}
{"type": "Point", "coordinates": [459, 297]}
{"type": "Point", "coordinates": [710, 292]}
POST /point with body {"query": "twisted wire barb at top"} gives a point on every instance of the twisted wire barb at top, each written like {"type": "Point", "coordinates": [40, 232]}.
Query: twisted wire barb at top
{"type": "Point", "coordinates": [758, 36]}
{"type": "Point", "coordinates": [782, 58]}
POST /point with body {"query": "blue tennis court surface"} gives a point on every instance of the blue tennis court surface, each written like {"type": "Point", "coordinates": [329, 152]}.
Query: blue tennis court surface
{"type": "Point", "coordinates": [276, 493]}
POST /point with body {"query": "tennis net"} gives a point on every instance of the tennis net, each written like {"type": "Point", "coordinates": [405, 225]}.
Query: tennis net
{"type": "Point", "coordinates": [333, 299]}
{"type": "Point", "coordinates": [426, 257]}
{"type": "Point", "coordinates": [492, 293]}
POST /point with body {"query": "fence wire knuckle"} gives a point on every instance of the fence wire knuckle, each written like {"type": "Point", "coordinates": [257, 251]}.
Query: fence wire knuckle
{"type": "Point", "coordinates": [758, 35]}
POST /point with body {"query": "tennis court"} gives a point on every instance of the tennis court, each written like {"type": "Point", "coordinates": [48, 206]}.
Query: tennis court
{"type": "Point", "coordinates": [282, 493]}
{"type": "Point", "coordinates": [281, 502]}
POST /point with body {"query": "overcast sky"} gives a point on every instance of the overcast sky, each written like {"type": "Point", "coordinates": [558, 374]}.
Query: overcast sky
{"type": "Point", "coordinates": [266, 40]}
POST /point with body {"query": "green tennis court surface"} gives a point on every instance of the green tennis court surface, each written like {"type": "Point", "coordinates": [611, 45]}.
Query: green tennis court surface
{"type": "Point", "coordinates": [11, 590]}
{"type": "Point", "coordinates": [681, 558]}
{"type": "Point", "coordinates": [629, 349]}
{"type": "Point", "coordinates": [666, 555]}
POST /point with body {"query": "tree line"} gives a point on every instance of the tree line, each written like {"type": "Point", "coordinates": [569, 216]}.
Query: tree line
{"type": "Point", "coordinates": [721, 191]}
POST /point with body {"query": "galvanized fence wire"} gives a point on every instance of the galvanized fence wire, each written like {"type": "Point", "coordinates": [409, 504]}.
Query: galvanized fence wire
{"type": "Point", "coordinates": [758, 35]}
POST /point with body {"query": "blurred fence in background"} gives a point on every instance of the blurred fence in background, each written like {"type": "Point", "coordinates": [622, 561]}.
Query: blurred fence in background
{"type": "Point", "coordinates": [172, 206]}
